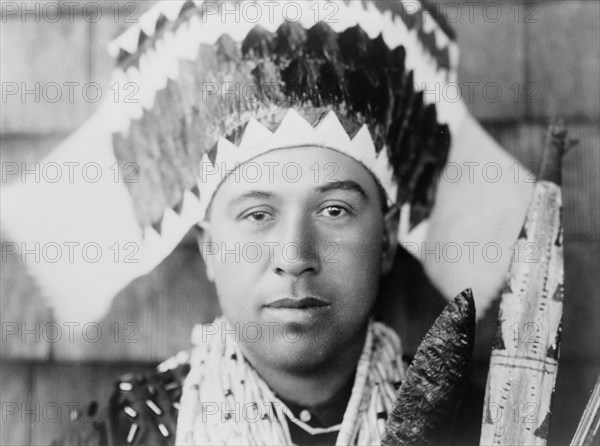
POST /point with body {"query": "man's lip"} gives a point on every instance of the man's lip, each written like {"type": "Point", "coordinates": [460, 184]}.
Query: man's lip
{"type": "Point", "coordinates": [305, 302]}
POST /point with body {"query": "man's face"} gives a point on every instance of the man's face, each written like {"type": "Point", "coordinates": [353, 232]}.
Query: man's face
{"type": "Point", "coordinates": [295, 247]}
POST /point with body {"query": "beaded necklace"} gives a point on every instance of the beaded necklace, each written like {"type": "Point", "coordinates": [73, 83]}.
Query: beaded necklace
{"type": "Point", "coordinates": [225, 401]}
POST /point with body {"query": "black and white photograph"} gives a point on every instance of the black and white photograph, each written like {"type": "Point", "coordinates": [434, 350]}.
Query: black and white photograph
{"type": "Point", "coordinates": [300, 222]}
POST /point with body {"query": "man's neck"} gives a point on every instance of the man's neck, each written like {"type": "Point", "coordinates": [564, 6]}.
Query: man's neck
{"type": "Point", "coordinates": [309, 388]}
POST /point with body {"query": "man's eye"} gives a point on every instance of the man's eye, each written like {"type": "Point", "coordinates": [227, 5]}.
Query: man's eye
{"type": "Point", "coordinates": [258, 216]}
{"type": "Point", "coordinates": [334, 211]}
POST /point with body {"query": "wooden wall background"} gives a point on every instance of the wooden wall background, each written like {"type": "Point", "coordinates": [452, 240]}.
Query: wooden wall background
{"type": "Point", "coordinates": [551, 47]}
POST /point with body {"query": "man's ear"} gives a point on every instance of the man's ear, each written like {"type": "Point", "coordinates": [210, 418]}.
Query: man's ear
{"type": "Point", "coordinates": [204, 239]}
{"type": "Point", "coordinates": [390, 238]}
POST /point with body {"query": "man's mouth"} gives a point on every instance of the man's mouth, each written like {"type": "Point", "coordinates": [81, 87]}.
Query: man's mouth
{"type": "Point", "coordinates": [306, 302]}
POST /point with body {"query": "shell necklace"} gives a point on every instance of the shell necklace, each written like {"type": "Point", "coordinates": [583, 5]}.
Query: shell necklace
{"type": "Point", "coordinates": [225, 401]}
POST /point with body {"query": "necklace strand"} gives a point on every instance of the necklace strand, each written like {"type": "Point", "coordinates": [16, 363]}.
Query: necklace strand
{"type": "Point", "coordinates": [225, 401]}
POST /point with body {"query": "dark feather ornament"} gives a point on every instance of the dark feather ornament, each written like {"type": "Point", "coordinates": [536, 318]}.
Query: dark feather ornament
{"type": "Point", "coordinates": [358, 77]}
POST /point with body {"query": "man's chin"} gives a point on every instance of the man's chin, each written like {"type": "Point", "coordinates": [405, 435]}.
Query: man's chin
{"type": "Point", "coordinates": [287, 353]}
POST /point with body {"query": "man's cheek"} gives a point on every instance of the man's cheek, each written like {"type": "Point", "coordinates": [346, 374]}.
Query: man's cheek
{"type": "Point", "coordinates": [235, 304]}
{"type": "Point", "coordinates": [359, 260]}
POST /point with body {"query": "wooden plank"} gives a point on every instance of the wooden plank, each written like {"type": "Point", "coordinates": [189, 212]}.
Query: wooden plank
{"type": "Point", "coordinates": [574, 386]}
{"type": "Point", "coordinates": [581, 179]}
{"type": "Point", "coordinates": [581, 169]}
{"type": "Point", "coordinates": [582, 282]}
{"type": "Point", "coordinates": [492, 58]}
{"type": "Point", "coordinates": [15, 391]}
{"type": "Point", "coordinates": [523, 141]}
{"type": "Point", "coordinates": [563, 59]}
{"type": "Point", "coordinates": [41, 57]}
{"type": "Point", "coordinates": [80, 9]}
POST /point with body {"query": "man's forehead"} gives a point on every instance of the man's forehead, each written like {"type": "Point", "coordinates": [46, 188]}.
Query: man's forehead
{"type": "Point", "coordinates": [314, 169]}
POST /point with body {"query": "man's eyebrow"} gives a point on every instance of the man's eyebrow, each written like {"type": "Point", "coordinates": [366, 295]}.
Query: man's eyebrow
{"type": "Point", "coordinates": [252, 194]}
{"type": "Point", "coordinates": [343, 185]}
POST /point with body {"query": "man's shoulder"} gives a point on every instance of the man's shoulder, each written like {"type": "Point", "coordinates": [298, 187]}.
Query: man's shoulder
{"type": "Point", "coordinates": [142, 409]}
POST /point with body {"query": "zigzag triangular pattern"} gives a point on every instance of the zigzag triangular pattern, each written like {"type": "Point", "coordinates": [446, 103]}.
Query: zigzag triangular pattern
{"type": "Point", "coordinates": [254, 134]}
{"type": "Point", "coordinates": [357, 13]}
{"type": "Point", "coordinates": [428, 73]}
{"type": "Point", "coordinates": [331, 125]}
{"type": "Point", "coordinates": [294, 131]}
{"type": "Point", "coordinates": [175, 34]}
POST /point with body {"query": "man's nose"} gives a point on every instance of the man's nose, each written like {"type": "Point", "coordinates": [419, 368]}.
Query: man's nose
{"type": "Point", "coordinates": [297, 252]}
